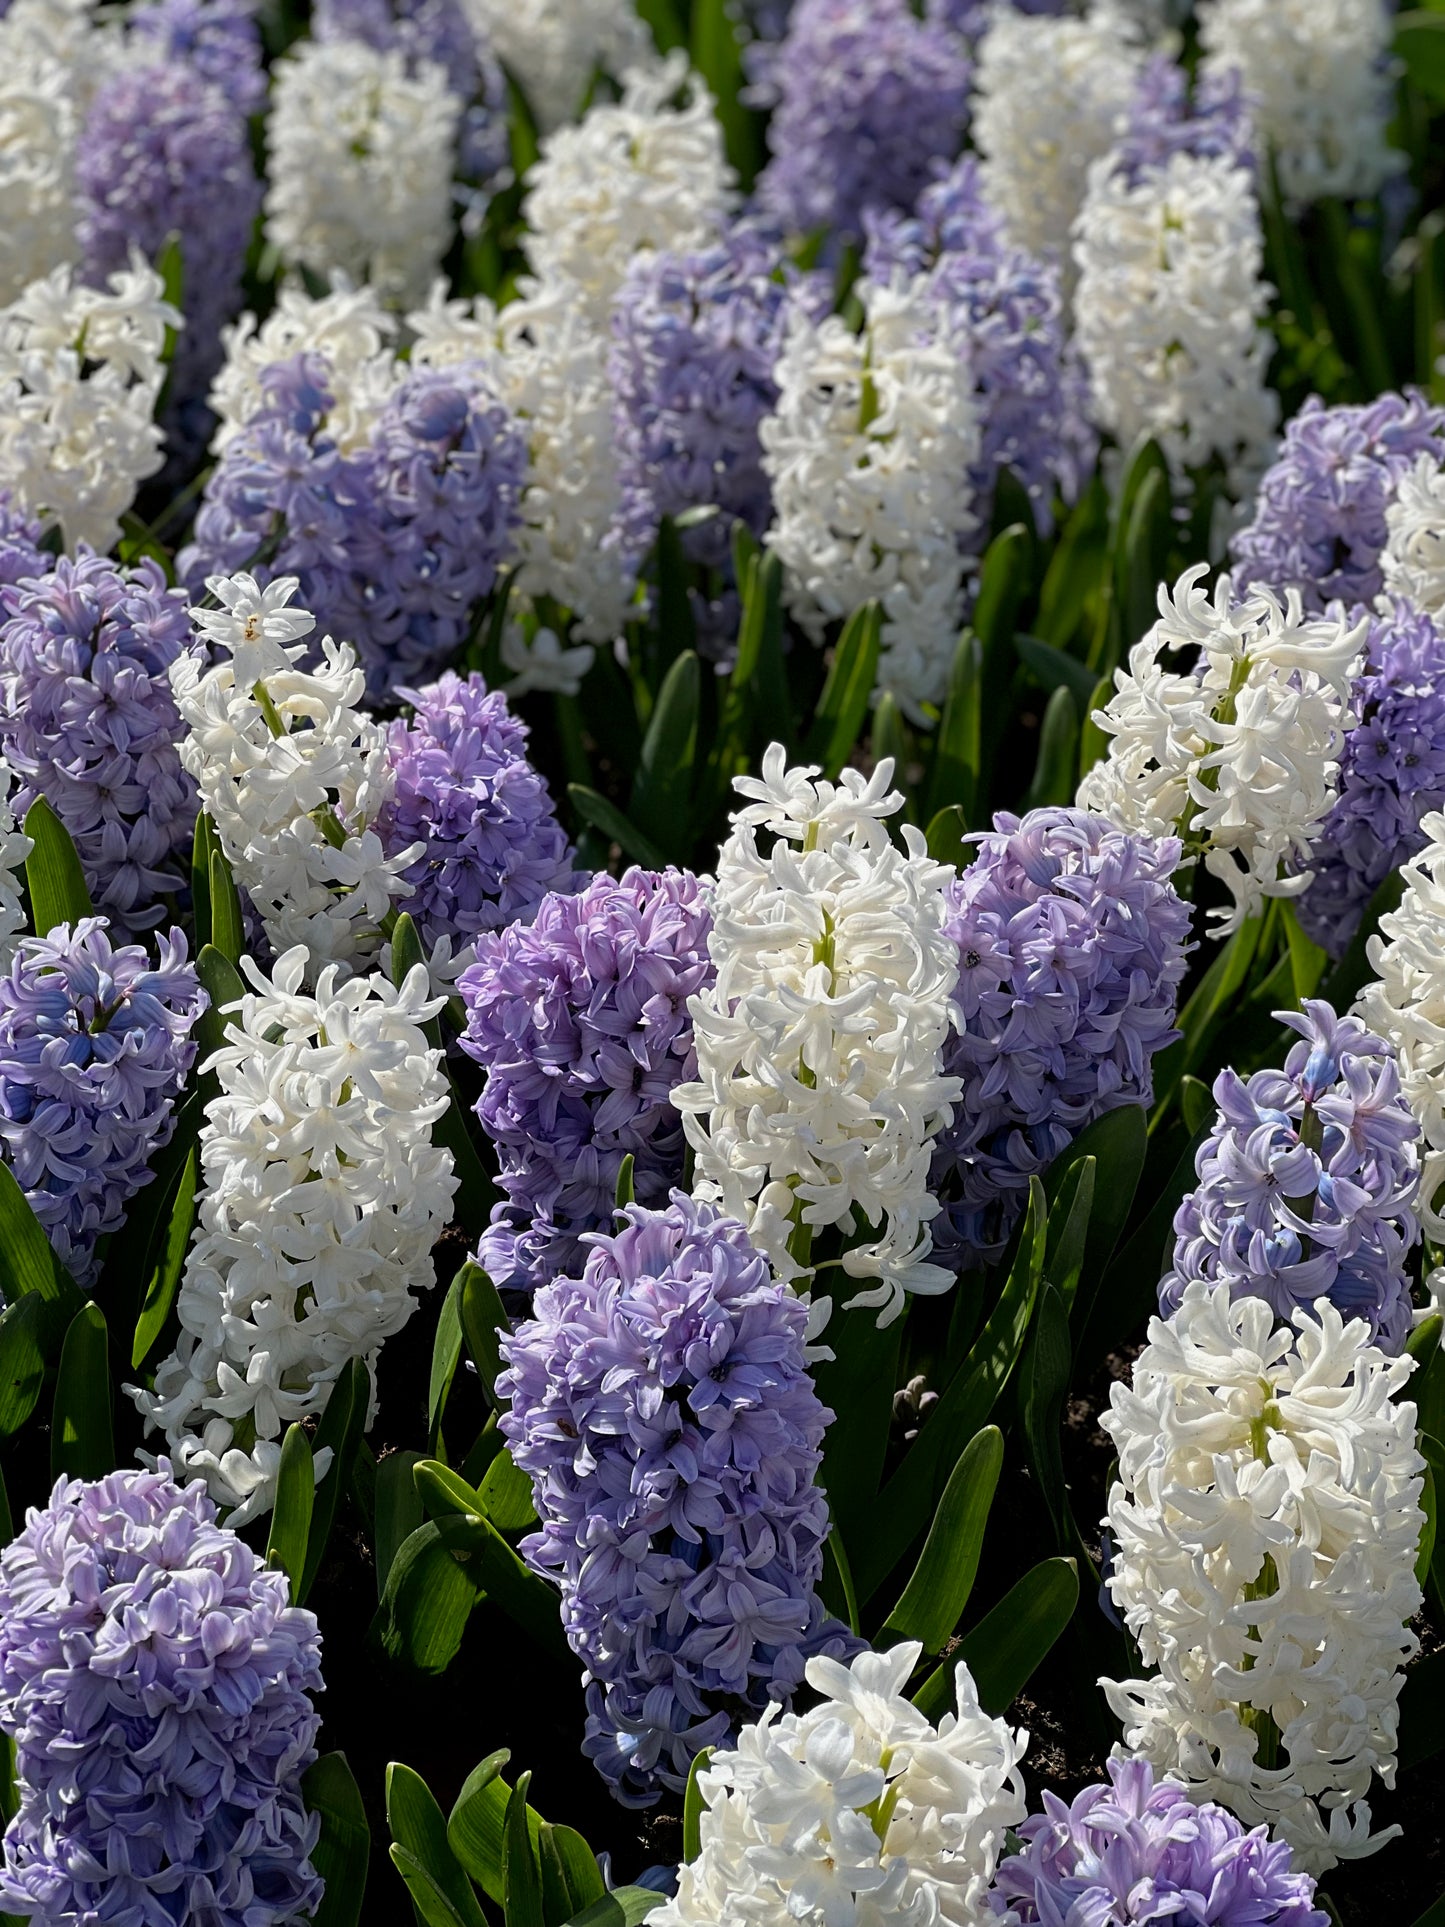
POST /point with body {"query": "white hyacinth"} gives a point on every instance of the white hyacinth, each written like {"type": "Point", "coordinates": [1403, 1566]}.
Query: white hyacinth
{"type": "Point", "coordinates": [363, 149]}
{"type": "Point", "coordinates": [348, 326]}
{"type": "Point", "coordinates": [869, 451]}
{"type": "Point", "coordinates": [1413, 562]}
{"type": "Point", "coordinates": [646, 172]}
{"type": "Point", "coordinates": [1265, 1527]}
{"type": "Point", "coordinates": [857, 1811]}
{"type": "Point", "coordinates": [80, 375]}
{"type": "Point", "coordinates": [15, 847]}
{"type": "Point", "coordinates": [323, 1196]}
{"type": "Point", "coordinates": [556, 48]}
{"type": "Point", "coordinates": [1238, 753]}
{"type": "Point", "coordinates": [1052, 96]}
{"type": "Point", "coordinates": [39, 126]}
{"type": "Point", "coordinates": [1318, 73]}
{"type": "Point", "coordinates": [293, 773]}
{"type": "Point", "coordinates": [1169, 310]}
{"type": "Point", "coordinates": [820, 1045]}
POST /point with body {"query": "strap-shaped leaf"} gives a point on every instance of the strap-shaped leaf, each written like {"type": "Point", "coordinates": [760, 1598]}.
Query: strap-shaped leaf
{"type": "Point", "coordinates": [165, 1275]}
{"type": "Point", "coordinates": [53, 874]}
{"type": "Point", "coordinates": [606, 817]}
{"type": "Point", "coordinates": [476, 1827]}
{"type": "Point", "coordinates": [429, 1596]}
{"type": "Point", "coordinates": [82, 1436]}
{"type": "Point", "coordinates": [341, 1427]}
{"type": "Point", "coordinates": [419, 1828]}
{"type": "Point", "coordinates": [843, 706]}
{"type": "Point", "coordinates": [1006, 1647]}
{"type": "Point", "coordinates": [938, 1590]}
{"type": "Point", "coordinates": [693, 1805]}
{"type": "Point", "coordinates": [291, 1513]}
{"type": "Point", "coordinates": [483, 1322]}
{"type": "Point", "coordinates": [521, 1865]}
{"type": "Point", "coordinates": [343, 1851]}
{"type": "Point", "coordinates": [228, 928]}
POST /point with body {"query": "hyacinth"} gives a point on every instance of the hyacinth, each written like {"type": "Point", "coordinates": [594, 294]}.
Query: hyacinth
{"type": "Point", "coordinates": [348, 329]}
{"type": "Point", "coordinates": [1141, 1850]}
{"type": "Point", "coordinates": [661, 1406]}
{"type": "Point", "coordinates": [291, 773]}
{"type": "Point", "coordinates": [20, 551]}
{"type": "Point", "coordinates": [1308, 1183]}
{"type": "Point", "coordinates": [556, 48]}
{"type": "Point", "coordinates": [1319, 523]}
{"type": "Point", "coordinates": [1320, 73]}
{"type": "Point", "coordinates": [464, 790]}
{"type": "Point", "coordinates": [95, 1044]}
{"type": "Point", "coordinates": [1265, 1521]}
{"type": "Point", "coordinates": [15, 847]}
{"type": "Point", "coordinates": [581, 1023]}
{"type": "Point", "coordinates": [870, 452]}
{"type": "Point", "coordinates": [1413, 563]}
{"type": "Point", "coordinates": [820, 1081]}
{"type": "Point", "coordinates": [1240, 753]}
{"type": "Point", "coordinates": [157, 1685]}
{"type": "Point", "coordinates": [88, 721]}
{"type": "Point", "coordinates": [1071, 942]}
{"type": "Point", "coordinates": [1210, 122]}
{"type": "Point", "coordinates": [39, 126]}
{"type": "Point", "coordinates": [1009, 310]}
{"type": "Point", "coordinates": [858, 1810]}
{"type": "Point", "coordinates": [322, 1196]}
{"type": "Point", "coordinates": [361, 158]}
{"type": "Point", "coordinates": [868, 99]}
{"type": "Point", "coordinates": [646, 172]}
{"type": "Point", "coordinates": [1171, 305]}
{"type": "Point", "coordinates": [1392, 775]}
{"type": "Point", "coordinates": [218, 39]}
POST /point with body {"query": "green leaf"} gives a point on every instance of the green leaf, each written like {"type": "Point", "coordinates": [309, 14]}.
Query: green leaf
{"type": "Point", "coordinates": [889, 737]}
{"type": "Point", "coordinates": [1129, 1288]}
{"type": "Point", "coordinates": [1093, 741]}
{"type": "Point", "coordinates": [1070, 1213]}
{"type": "Point", "coordinates": [1045, 1381]}
{"type": "Point", "coordinates": [843, 706]}
{"type": "Point", "coordinates": [623, 1192]}
{"type": "Point", "coordinates": [165, 1277]}
{"type": "Point", "coordinates": [342, 1424]}
{"type": "Point", "coordinates": [1196, 1102]}
{"type": "Point", "coordinates": [525, 1598]}
{"type": "Point", "coordinates": [1007, 1646]}
{"type": "Point", "coordinates": [1058, 754]}
{"type": "Point", "coordinates": [7, 1533]}
{"type": "Point", "coordinates": [606, 817]}
{"type": "Point", "coordinates": [755, 704]}
{"type": "Point", "coordinates": [932, 1602]}
{"type": "Point", "coordinates": [1003, 582]}
{"type": "Point", "coordinates": [623, 1907]}
{"type": "Point", "coordinates": [341, 1855]}
{"type": "Point", "coordinates": [53, 874]}
{"type": "Point", "coordinates": [957, 748]}
{"type": "Point", "coordinates": [445, 1357]}
{"type": "Point", "coordinates": [476, 1828]}
{"type": "Point", "coordinates": [445, 1492]}
{"type": "Point", "coordinates": [1429, 1508]}
{"type": "Point", "coordinates": [82, 1437]}
{"type": "Point", "coordinates": [662, 792]}
{"type": "Point", "coordinates": [1433, 1916]}
{"type": "Point", "coordinates": [506, 1494]}
{"type": "Point", "coordinates": [693, 1805]}
{"type": "Point", "coordinates": [857, 1383]}
{"type": "Point", "coordinates": [27, 1263]}
{"type": "Point", "coordinates": [228, 930]}
{"type": "Point", "coordinates": [406, 949]}
{"type": "Point", "coordinates": [22, 1361]}
{"type": "Point", "coordinates": [521, 1873]}
{"type": "Point", "coordinates": [1118, 1142]}
{"type": "Point", "coordinates": [476, 1193]}
{"type": "Point", "coordinates": [1344, 983]}
{"type": "Point", "coordinates": [1143, 561]}
{"type": "Point", "coordinates": [429, 1595]}
{"type": "Point", "coordinates": [419, 1828]}
{"type": "Point", "coordinates": [717, 56]}
{"type": "Point", "coordinates": [676, 630]}
{"type": "Point", "coordinates": [945, 837]}
{"type": "Point", "coordinates": [1215, 994]}
{"type": "Point", "coordinates": [1073, 577]}
{"type": "Point", "coordinates": [295, 1499]}
{"type": "Point", "coordinates": [398, 1510]}
{"type": "Point", "coordinates": [202, 844]}
{"type": "Point", "coordinates": [224, 985]}
{"type": "Point", "coordinates": [567, 1856]}
{"type": "Point", "coordinates": [1057, 670]}
{"type": "Point", "coordinates": [1422, 1710]}
{"type": "Point", "coordinates": [483, 1320]}
{"type": "Point", "coordinates": [1307, 959]}
{"type": "Point", "coordinates": [836, 1584]}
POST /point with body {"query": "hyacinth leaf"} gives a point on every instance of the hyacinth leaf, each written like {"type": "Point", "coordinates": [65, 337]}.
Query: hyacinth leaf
{"type": "Point", "coordinates": [1053, 782]}
{"type": "Point", "coordinates": [1070, 1214]}
{"type": "Point", "coordinates": [521, 1871]}
{"type": "Point", "coordinates": [717, 56]}
{"type": "Point", "coordinates": [836, 1587]}
{"type": "Point", "coordinates": [406, 948]}
{"type": "Point", "coordinates": [204, 842]}
{"type": "Point", "coordinates": [1072, 580]}
{"type": "Point", "coordinates": [945, 837]}
{"type": "Point", "coordinates": [22, 1361]}
{"type": "Point", "coordinates": [53, 874]}
{"type": "Point", "coordinates": [1427, 1387]}
{"type": "Point", "coordinates": [623, 1192]}
{"type": "Point", "coordinates": [341, 1427]}
{"type": "Point", "coordinates": [1057, 670]}
{"type": "Point", "coordinates": [890, 738]}
{"type": "Point", "coordinates": [224, 986]}
{"type": "Point", "coordinates": [1143, 559]}
{"type": "Point", "coordinates": [1424, 1341]}
{"type": "Point", "coordinates": [483, 1322]}
{"type": "Point", "coordinates": [662, 792]}
{"type": "Point", "coordinates": [27, 1262]}
{"type": "Point", "coordinates": [476, 1828]}
{"type": "Point", "coordinates": [445, 1492]}
{"type": "Point", "coordinates": [1429, 1510]}
{"type": "Point", "coordinates": [1002, 585]}
{"type": "Point", "coordinates": [173, 1227]}
{"type": "Point", "coordinates": [1118, 1142]}
{"type": "Point", "coordinates": [938, 1590]}
{"type": "Point", "coordinates": [565, 1850]}
{"type": "Point", "coordinates": [694, 1805]}
{"type": "Point", "coordinates": [340, 1856]}
{"type": "Point", "coordinates": [429, 1596]}
{"type": "Point", "coordinates": [228, 929]}
{"type": "Point", "coordinates": [525, 1598]}
{"type": "Point", "coordinates": [506, 1494]}
{"type": "Point", "coordinates": [623, 1907]}
{"type": "Point", "coordinates": [1213, 995]}
{"type": "Point", "coordinates": [1008, 1645]}
{"type": "Point", "coordinates": [1433, 1916]}
{"type": "Point", "coordinates": [1430, 1564]}
{"type": "Point", "coordinates": [857, 1384]}
{"type": "Point", "coordinates": [842, 708]}
{"type": "Point", "coordinates": [418, 1826]}
{"type": "Point", "coordinates": [7, 1518]}
{"type": "Point", "coordinates": [1128, 1289]}
{"type": "Point", "coordinates": [1196, 1102]}
{"type": "Point", "coordinates": [291, 1514]}
{"type": "Point", "coordinates": [82, 1435]}
{"type": "Point", "coordinates": [397, 1511]}
{"type": "Point", "coordinates": [1307, 959]}
{"type": "Point", "coordinates": [1422, 1710]}
{"type": "Point", "coordinates": [476, 1193]}
{"type": "Point", "coordinates": [1045, 1380]}
{"type": "Point", "coordinates": [953, 770]}
{"type": "Point", "coordinates": [1420, 43]}
{"type": "Point", "coordinates": [1093, 741]}
{"type": "Point", "coordinates": [607, 818]}
{"type": "Point", "coordinates": [1344, 983]}
{"type": "Point", "coordinates": [445, 1357]}
{"type": "Point", "coordinates": [676, 629]}
{"type": "Point", "coordinates": [754, 699]}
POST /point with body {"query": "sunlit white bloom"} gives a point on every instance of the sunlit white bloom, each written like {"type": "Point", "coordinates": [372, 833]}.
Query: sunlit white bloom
{"type": "Point", "coordinates": [1265, 1525]}
{"type": "Point", "coordinates": [543, 662]}
{"type": "Point", "coordinates": [856, 1811]}
{"type": "Point", "coordinates": [1239, 752]}
{"type": "Point", "coordinates": [556, 48]}
{"type": "Point", "coordinates": [39, 127]}
{"type": "Point", "coordinates": [323, 1194]}
{"type": "Point", "coordinates": [819, 1082]}
{"type": "Point", "coordinates": [1413, 562]}
{"type": "Point", "coordinates": [348, 326]}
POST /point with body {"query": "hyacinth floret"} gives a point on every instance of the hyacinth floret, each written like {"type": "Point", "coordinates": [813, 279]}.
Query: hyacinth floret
{"type": "Point", "coordinates": [1413, 562]}
{"type": "Point", "coordinates": [157, 1685]}
{"type": "Point", "coordinates": [219, 40]}
{"type": "Point", "coordinates": [21, 555]}
{"type": "Point", "coordinates": [348, 328]}
{"type": "Point", "coordinates": [1210, 121]}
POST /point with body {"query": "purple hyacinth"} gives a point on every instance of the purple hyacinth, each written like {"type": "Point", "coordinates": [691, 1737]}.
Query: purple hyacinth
{"type": "Point", "coordinates": [1072, 942]}
{"type": "Point", "coordinates": [580, 1021]}
{"type": "Point", "coordinates": [1392, 773]}
{"type": "Point", "coordinates": [1135, 1850]}
{"type": "Point", "coordinates": [465, 788]}
{"type": "Point", "coordinates": [662, 1408]}
{"type": "Point", "coordinates": [87, 721]}
{"type": "Point", "coordinates": [1319, 518]}
{"type": "Point", "coordinates": [1032, 388]}
{"type": "Point", "coordinates": [20, 552]}
{"type": "Point", "coordinates": [1307, 1182]}
{"type": "Point", "coordinates": [157, 1685]}
{"type": "Point", "coordinates": [218, 39]}
{"type": "Point", "coordinates": [95, 1045]}
{"type": "Point", "coordinates": [868, 99]}
{"type": "Point", "coordinates": [1166, 120]}
{"type": "Point", "coordinates": [971, 17]}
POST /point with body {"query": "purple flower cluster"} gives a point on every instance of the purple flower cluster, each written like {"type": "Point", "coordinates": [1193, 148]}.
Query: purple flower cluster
{"type": "Point", "coordinates": [971, 17]}
{"type": "Point", "coordinates": [1137, 1851]}
{"type": "Point", "coordinates": [1072, 942]}
{"type": "Point", "coordinates": [581, 1023]}
{"type": "Point", "coordinates": [465, 788]}
{"type": "Point", "coordinates": [87, 721]}
{"type": "Point", "coordinates": [1307, 1183]}
{"type": "Point", "coordinates": [218, 39]}
{"type": "Point", "coordinates": [20, 552]}
{"type": "Point", "coordinates": [95, 1045]}
{"type": "Point", "coordinates": [1032, 387]}
{"type": "Point", "coordinates": [868, 100]}
{"type": "Point", "coordinates": [157, 1685]}
{"type": "Point", "coordinates": [1392, 773]}
{"type": "Point", "coordinates": [661, 1406]}
{"type": "Point", "coordinates": [1165, 120]}
{"type": "Point", "coordinates": [1319, 518]}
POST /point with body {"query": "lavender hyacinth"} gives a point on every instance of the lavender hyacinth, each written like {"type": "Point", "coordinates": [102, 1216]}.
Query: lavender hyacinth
{"type": "Point", "coordinates": [661, 1406]}
{"type": "Point", "coordinates": [1072, 942]}
{"type": "Point", "coordinates": [87, 721]}
{"type": "Point", "coordinates": [1319, 519]}
{"type": "Point", "coordinates": [1308, 1182]}
{"type": "Point", "coordinates": [1166, 120]}
{"type": "Point", "coordinates": [95, 1045]}
{"type": "Point", "coordinates": [465, 788]}
{"type": "Point", "coordinates": [1137, 1851]}
{"type": "Point", "coordinates": [157, 1685]}
{"type": "Point", "coordinates": [1392, 774]}
{"type": "Point", "coordinates": [218, 39]}
{"type": "Point", "coordinates": [20, 552]}
{"type": "Point", "coordinates": [581, 1024]}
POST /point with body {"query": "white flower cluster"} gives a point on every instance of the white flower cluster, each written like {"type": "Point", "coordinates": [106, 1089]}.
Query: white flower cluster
{"type": "Point", "coordinates": [1265, 1525]}
{"type": "Point", "coordinates": [1413, 561]}
{"type": "Point", "coordinates": [1169, 310]}
{"type": "Point", "coordinates": [1051, 96]}
{"type": "Point", "coordinates": [1319, 74]}
{"type": "Point", "coordinates": [557, 47]}
{"type": "Point", "coordinates": [348, 326]}
{"type": "Point", "coordinates": [820, 1045]}
{"type": "Point", "coordinates": [1239, 754]}
{"type": "Point", "coordinates": [15, 847]}
{"type": "Point", "coordinates": [323, 1197]}
{"type": "Point", "coordinates": [293, 773]}
{"type": "Point", "coordinates": [81, 371]}
{"type": "Point", "coordinates": [869, 451]}
{"type": "Point", "coordinates": [362, 156]}
{"type": "Point", "coordinates": [857, 1811]}
{"type": "Point", "coordinates": [39, 125]}
{"type": "Point", "coordinates": [646, 172]}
